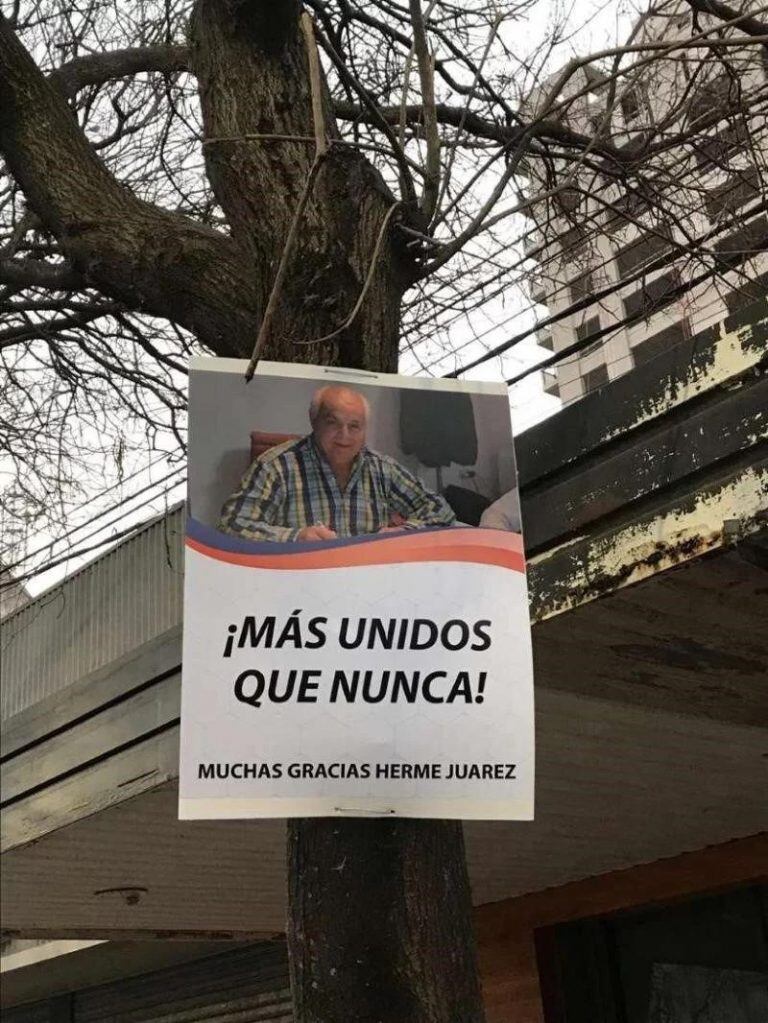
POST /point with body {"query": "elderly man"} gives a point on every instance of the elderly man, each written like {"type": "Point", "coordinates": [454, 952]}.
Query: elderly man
{"type": "Point", "coordinates": [328, 484]}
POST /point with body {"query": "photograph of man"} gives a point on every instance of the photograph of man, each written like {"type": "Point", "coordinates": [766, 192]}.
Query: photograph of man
{"type": "Point", "coordinates": [329, 484]}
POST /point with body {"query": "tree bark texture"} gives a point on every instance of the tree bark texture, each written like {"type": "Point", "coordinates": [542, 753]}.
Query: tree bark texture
{"type": "Point", "coordinates": [380, 928]}
{"type": "Point", "coordinates": [379, 910]}
{"type": "Point", "coordinates": [258, 182]}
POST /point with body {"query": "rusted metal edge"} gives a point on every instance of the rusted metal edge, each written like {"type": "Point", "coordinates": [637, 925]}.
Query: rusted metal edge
{"type": "Point", "coordinates": [652, 461]}
{"type": "Point", "coordinates": [589, 567]}
{"type": "Point", "coordinates": [716, 357]}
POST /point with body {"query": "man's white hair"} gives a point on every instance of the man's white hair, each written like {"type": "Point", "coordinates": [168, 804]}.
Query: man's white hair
{"type": "Point", "coordinates": [318, 400]}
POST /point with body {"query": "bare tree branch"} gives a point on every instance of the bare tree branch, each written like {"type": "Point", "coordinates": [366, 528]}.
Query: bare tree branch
{"type": "Point", "coordinates": [32, 273]}
{"type": "Point", "coordinates": [147, 258]}
{"type": "Point", "coordinates": [426, 67]}
{"type": "Point", "coordinates": [98, 68]}
{"type": "Point", "coordinates": [42, 329]}
{"type": "Point", "coordinates": [752, 26]}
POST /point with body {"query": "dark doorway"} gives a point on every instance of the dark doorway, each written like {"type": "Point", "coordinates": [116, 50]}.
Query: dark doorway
{"type": "Point", "coordinates": [704, 960]}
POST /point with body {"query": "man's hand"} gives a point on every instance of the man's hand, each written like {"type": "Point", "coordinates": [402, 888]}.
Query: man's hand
{"type": "Point", "coordinates": [316, 533]}
{"type": "Point", "coordinates": [391, 529]}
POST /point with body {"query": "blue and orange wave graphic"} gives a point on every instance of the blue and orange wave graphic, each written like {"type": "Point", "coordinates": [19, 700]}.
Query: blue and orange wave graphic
{"type": "Point", "coordinates": [458, 543]}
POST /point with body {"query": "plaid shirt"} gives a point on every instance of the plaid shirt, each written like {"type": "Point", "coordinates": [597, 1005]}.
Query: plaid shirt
{"type": "Point", "coordinates": [292, 486]}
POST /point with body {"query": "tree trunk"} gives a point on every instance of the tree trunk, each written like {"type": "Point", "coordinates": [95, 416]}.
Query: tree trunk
{"type": "Point", "coordinates": [251, 64]}
{"type": "Point", "coordinates": [379, 921]}
{"type": "Point", "coordinates": [379, 929]}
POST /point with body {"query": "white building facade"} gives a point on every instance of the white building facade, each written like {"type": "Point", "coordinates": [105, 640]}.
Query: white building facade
{"type": "Point", "coordinates": [698, 212]}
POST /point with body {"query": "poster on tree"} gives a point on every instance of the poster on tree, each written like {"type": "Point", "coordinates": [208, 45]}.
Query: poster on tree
{"type": "Point", "coordinates": [356, 631]}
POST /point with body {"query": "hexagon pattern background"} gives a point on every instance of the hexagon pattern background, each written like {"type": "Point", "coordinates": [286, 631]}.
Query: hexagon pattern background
{"type": "Point", "coordinates": [219, 729]}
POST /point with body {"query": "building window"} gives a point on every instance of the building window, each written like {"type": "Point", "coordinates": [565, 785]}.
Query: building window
{"type": "Point", "coordinates": [746, 242]}
{"type": "Point", "coordinates": [642, 250]}
{"type": "Point", "coordinates": [665, 339]}
{"type": "Point", "coordinates": [597, 121]}
{"type": "Point", "coordinates": [586, 330]}
{"type": "Point", "coordinates": [572, 241]}
{"type": "Point", "coordinates": [549, 382]}
{"type": "Point", "coordinates": [723, 149]}
{"type": "Point", "coordinates": [581, 287]}
{"type": "Point", "coordinates": [652, 295]}
{"type": "Point", "coordinates": [630, 105]}
{"type": "Point", "coordinates": [717, 96]}
{"type": "Point", "coordinates": [626, 206]}
{"type": "Point", "coordinates": [737, 191]}
{"type": "Point", "coordinates": [701, 959]}
{"type": "Point", "coordinates": [568, 200]}
{"type": "Point", "coordinates": [746, 292]}
{"type": "Point", "coordinates": [595, 378]}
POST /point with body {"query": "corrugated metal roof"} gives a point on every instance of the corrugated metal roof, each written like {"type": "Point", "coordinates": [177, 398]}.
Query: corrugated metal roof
{"type": "Point", "coordinates": [247, 984]}
{"type": "Point", "coordinates": [116, 603]}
